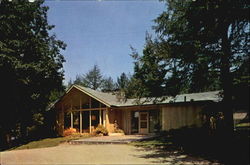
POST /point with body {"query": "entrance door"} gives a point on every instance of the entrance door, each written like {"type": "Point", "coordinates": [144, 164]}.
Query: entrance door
{"type": "Point", "coordinates": [143, 123]}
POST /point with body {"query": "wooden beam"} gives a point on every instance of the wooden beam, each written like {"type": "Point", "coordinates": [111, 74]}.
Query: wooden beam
{"type": "Point", "coordinates": [71, 119]}
{"type": "Point", "coordinates": [107, 118]}
{"type": "Point", "coordinates": [139, 107]}
{"type": "Point", "coordinates": [71, 115]}
{"type": "Point", "coordinates": [88, 109]}
{"type": "Point", "coordinates": [100, 114]}
{"type": "Point", "coordinates": [90, 115]}
{"type": "Point", "coordinates": [104, 117]}
{"type": "Point", "coordinates": [80, 114]}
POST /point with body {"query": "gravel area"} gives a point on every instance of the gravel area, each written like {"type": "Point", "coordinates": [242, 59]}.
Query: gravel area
{"type": "Point", "coordinates": [95, 154]}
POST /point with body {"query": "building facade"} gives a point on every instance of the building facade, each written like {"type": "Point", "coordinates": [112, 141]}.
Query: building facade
{"type": "Point", "coordinates": [84, 109]}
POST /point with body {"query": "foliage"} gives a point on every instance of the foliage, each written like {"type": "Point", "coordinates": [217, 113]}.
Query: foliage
{"type": "Point", "coordinates": [30, 63]}
{"type": "Point", "coordinates": [122, 81]}
{"type": "Point", "coordinates": [108, 85]}
{"type": "Point", "coordinates": [100, 129]}
{"type": "Point", "coordinates": [69, 131]}
{"type": "Point", "coordinates": [201, 45]}
{"type": "Point", "coordinates": [212, 31]}
{"type": "Point", "coordinates": [149, 71]}
{"type": "Point", "coordinates": [93, 79]}
{"type": "Point", "coordinates": [118, 130]}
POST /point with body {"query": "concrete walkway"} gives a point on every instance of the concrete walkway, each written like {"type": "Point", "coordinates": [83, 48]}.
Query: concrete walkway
{"type": "Point", "coordinates": [96, 154]}
{"type": "Point", "coordinates": [112, 139]}
{"type": "Point", "coordinates": [77, 154]}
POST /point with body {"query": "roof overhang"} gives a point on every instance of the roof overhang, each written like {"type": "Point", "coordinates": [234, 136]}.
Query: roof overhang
{"type": "Point", "coordinates": [83, 91]}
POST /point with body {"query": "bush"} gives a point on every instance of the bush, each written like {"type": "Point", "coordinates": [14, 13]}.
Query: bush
{"type": "Point", "coordinates": [100, 129]}
{"type": "Point", "coordinates": [69, 131]}
{"type": "Point", "coordinates": [118, 130]}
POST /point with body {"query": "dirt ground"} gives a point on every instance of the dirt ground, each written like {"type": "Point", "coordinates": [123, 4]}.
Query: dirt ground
{"type": "Point", "coordinates": [93, 154]}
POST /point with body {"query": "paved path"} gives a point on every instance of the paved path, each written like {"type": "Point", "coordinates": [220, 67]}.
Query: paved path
{"type": "Point", "coordinates": [96, 154]}
{"type": "Point", "coordinates": [77, 154]}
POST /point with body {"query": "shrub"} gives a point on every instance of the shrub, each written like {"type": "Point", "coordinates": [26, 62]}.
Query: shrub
{"type": "Point", "coordinates": [100, 129]}
{"type": "Point", "coordinates": [69, 131]}
{"type": "Point", "coordinates": [118, 130]}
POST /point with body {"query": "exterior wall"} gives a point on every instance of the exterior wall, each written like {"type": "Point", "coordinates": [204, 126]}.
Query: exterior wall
{"type": "Point", "coordinates": [172, 116]}
{"type": "Point", "coordinates": [126, 119]}
{"type": "Point", "coordinates": [113, 116]}
{"type": "Point", "coordinates": [178, 116]}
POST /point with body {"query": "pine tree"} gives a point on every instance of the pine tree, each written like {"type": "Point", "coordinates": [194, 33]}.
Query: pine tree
{"type": "Point", "coordinates": [30, 63]}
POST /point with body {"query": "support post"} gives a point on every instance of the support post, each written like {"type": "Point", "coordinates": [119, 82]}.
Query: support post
{"type": "Point", "coordinates": [71, 116]}
{"type": "Point", "coordinates": [100, 114]}
{"type": "Point", "coordinates": [80, 114]}
{"type": "Point", "coordinates": [71, 119]}
{"type": "Point", "coordinates": [104, 118]}
{"type": "Point", "coordinates": [90, 115]}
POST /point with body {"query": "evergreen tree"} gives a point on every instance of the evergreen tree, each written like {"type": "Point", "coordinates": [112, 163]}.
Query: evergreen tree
{"type": "Point", "coordinates": [149, 72]}
{"type": "Point", "coordinates": [78, 80]}
{"type": "Point", "coordinates": [108, 85]}
{"type": "Point", "coordinates": [93, 79]}
{"type": "Point", "coordinates": [122, 81]}
{"type": "Point", "coordinates": [30, 64]}
{"type": "Point", "coordinates": [200, 46]}
{"type": "Point", "coordinates": [206, 30]}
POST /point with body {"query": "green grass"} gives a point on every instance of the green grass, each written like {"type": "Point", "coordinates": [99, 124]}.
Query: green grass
{"type": "Point", "coordinates": [49, 142]}
{"type": "Point", "coordinates": [243, 125]}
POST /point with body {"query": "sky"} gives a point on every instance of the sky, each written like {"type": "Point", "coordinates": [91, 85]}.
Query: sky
{"type": "Point", "coordinates": [101, 32]}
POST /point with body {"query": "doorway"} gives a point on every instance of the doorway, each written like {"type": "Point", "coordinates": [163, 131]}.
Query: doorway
{"type": "Point", "coordinates": [143, 123]}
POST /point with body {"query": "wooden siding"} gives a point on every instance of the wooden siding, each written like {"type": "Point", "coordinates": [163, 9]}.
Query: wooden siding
{"type": "Point", "coordinates": [178, 116]}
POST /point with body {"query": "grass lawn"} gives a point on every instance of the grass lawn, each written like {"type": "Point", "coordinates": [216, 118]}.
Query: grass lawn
{"type": "Point", "coordinates": [49, 142]}
{"type": "Point", "coordinates": [243, 125]}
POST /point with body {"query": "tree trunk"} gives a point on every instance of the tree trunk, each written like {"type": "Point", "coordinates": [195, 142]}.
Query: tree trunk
{"type": "Point", "coordinates": [226, 80]}
{"type": "Point", "coordinates": [23, 129]}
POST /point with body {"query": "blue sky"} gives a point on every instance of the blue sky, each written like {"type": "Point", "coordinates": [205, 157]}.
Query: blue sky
{"type": "Point", "coordinates": [101, 32]}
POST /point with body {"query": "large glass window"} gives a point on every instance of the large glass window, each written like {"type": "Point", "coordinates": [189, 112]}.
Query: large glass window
{"type": "Point", "coordinates": [85, 121]}
{"type": "Point", "coordinates": [95, 118]}
{"type": "Point", "coordinates": [95, 103]}
{"type": "Point", "coordinates": [76, 121]}
{"type": "Point", "coordinates": [134, 122]}
{"type": "Point", "coordinates": [67, 120]}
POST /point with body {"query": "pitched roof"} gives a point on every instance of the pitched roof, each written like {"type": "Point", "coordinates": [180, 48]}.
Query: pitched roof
{"type": "Point", "coordinates": [112, 100]}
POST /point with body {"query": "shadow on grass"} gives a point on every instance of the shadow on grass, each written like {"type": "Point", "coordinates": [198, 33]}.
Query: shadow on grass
{"type": "Point", "coordinates": [194, 146]}
{"type": "Point", "coordinates": [48, 142]}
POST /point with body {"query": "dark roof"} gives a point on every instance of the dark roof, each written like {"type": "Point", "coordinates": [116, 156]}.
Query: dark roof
{"type": "Point", "coordinates": [110, 99]}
